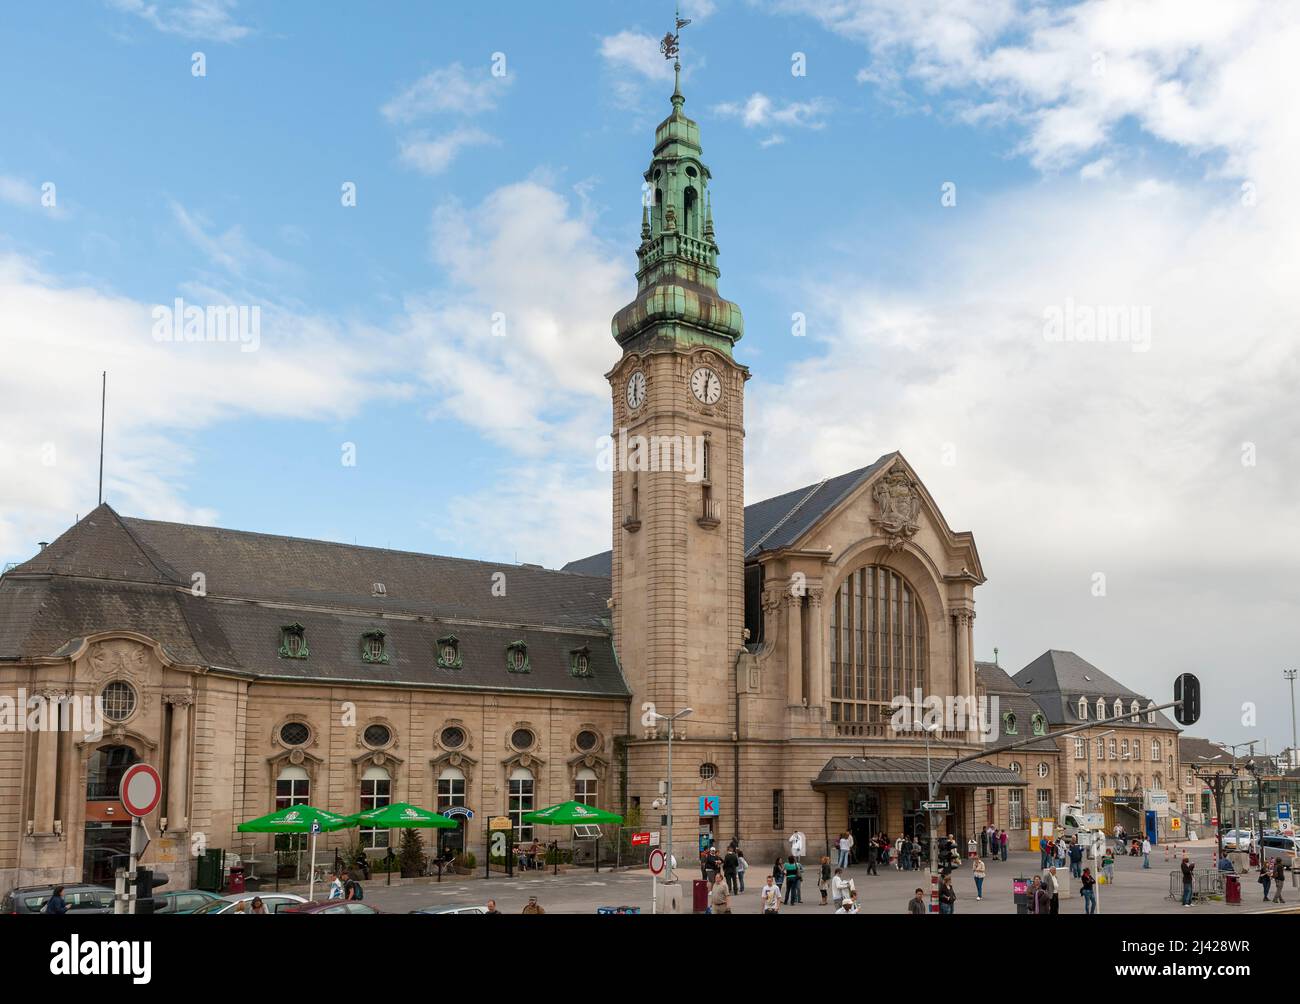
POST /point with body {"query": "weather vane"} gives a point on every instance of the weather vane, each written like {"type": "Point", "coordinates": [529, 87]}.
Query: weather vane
{"type": "Point", "coordinates": [669, 46]}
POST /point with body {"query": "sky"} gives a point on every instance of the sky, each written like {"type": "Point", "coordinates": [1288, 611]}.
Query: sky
{"type": "Point", "coordinates": [435, 211]}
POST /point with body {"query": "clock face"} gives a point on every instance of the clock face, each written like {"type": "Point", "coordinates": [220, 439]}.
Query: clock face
{"type": "Point", "coordinates": [706, 385]}
{"type": "Point", "coordinates": [636, 390]}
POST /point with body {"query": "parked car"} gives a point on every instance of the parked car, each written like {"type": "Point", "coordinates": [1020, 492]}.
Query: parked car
{"type": "Point", "coordinates": [1238, 840]}
{"type": "Point", "coordinates": [332, 906]}
{"type": "Point", "coordinates": [276, 902]}
{"type": "Point", "coordinates": [1278, 846]}
{"type": "Point", "coordinates": [82, 898]}
{"type": "Point", "coordinates": [451, 909]}
{"type": "Point", "coordinates": [183, 900]}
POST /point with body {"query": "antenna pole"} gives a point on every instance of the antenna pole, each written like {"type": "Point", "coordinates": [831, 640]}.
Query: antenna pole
{"type": "Point", "coordinates": [103, 404]}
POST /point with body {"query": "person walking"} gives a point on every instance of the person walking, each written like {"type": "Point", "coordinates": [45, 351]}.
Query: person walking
{"type": "Point", "coordinates": [842, 845]}
{"type": "Point", "coordinates": [742, 866]}
{"type": "Point", "coordinates": [1187, 870]}
{"type": "Point", "coordinates": [916, 905]}
{"type": "Point", "coordinates": [1279, 879]}
{"type": "Point", "coordinates": [947, 896]}
{"type": "Point", "coordinates": [791, 880]}
{"type": "Point", "coordinates": [1146, 853]}
{"type": "Point", "coordinates": [770, 896]}
{"type": "Point", "coordinates": [902, 854]}
{"type": "Point", "coordinates": [1044, 850]}
{"type": "Point", "coordinates": [720, 897]}
{"type": "Point", "coordinates": [1108, 865]}
{"type": "Point", "coordinates": [839, 887]}
{"type": "Point", "coordinates": [852, 847]}
{"type": "Point", "coordinates": [1002, 843]}
{"type": "Point", "coordinates": [532, 906]}
{"type": "Point", "coordinates": [778, 873]}
{"type": "Point", "coordinates": [1053, 885]}
{"type": "Point", "coordinates": [56, 904]}
{"type": "Point", "coordinates": [1265, 878]}
{"type": "Point", "coordinates": [824, 878]}
{"type": "Point", "coordinates": [1042, 899]}
{"type": "Point", "coordinates": [1088, 892]}
{"type": "Point", "coordinates": [873, 852]}
{"type": "Point", "coordinates": [336, 887]}
{"type": "Point", "coordinates": [729, 865]}
{"type": "Point", "coordinates": [980, 870]}
{"type": "Point", "coordinates": [1076, 859]}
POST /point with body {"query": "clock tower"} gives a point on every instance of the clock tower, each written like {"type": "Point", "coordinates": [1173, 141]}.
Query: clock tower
{"type": "Point", "coordinates": [678, 396]}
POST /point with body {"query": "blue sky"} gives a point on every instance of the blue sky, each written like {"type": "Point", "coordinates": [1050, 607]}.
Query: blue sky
{"type": "Point", "coordinates": [1102, 154]}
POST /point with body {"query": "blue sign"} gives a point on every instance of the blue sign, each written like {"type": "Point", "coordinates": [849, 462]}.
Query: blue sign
{"type": "Point", "coordinates": [463, 811]}
{"type": "Point", "coordinates": [709, 805]}
{"type": "Point", "coordinates": [315, 827]}
{"type": "Point", "coordinates": [1283, 810]}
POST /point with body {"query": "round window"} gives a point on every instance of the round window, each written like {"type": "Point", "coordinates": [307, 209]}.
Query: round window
{"type": "Point", "coordinates": [588, 740]}
{"type": "Point", "coordinates": [708, 771]}
{"type": "Point", "coordinates": [521, 739]}
{"type": "Point", "coordinates": [294, 734]}
{"type": "Point", "coordinates": [119, 701]}
{"type": "Point", "coordinates": [377, 736]}
{"type": "Point", "coordinates": [1043, 769]}
{"type": "Point", "coordinates": [1015, 766]}
{"type": "Point", "coordinates": [453, 738]}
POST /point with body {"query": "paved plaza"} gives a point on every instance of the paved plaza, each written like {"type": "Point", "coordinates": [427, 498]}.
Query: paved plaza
{"type": "Point", "coordinates": [1135, 891]}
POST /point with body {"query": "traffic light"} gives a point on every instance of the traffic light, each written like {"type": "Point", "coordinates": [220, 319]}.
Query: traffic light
{"type": "Point", "coordinates": [1187, 690]}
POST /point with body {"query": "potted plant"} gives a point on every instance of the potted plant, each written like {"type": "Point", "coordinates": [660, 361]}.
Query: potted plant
{"type": "Point", "coordinates": [464, 864]}
{"type": "Point", "coordinates": [412, 854]}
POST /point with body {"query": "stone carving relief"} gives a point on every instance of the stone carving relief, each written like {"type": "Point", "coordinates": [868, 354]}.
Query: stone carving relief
{"type": "Point", "coordinates": [898, 506]}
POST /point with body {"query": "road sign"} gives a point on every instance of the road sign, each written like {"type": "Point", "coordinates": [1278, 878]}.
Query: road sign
{"type": "Point", "coordinates": [1283, 810]}
{"type": "Point", "coordinates": [709, 805]}
{"type": "Point", "coordinates": [657, 861]}
{"type": "Point", "coordinates": [939, 805]}
{"type": "Point", "coordinates": [1175, 824]}
{"type": "Point", "coordinates": [315, 827]}
{"type": "Point", "coordinates": [654, 838]}
{"type": "Point", "coordinates": [641, 839]}
{"type": "Point", "coordinates": [140, 789]}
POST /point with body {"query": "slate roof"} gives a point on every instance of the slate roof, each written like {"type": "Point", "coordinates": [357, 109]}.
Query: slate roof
{"type": "Point", "coordinates": [874, 770]}
{"type": "Point", "coordinates": [109, 572]}
{"type": "Point", "coordinates": [1057, 679]}
{"type": "Point", "coordinates": [772, 523]}
{"type": "Point", "coordinates": [1191, 750]}
{"type": "Point", "coordinates": [1011, 698]}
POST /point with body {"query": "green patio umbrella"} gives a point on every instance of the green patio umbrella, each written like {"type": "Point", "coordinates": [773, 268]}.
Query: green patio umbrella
{"type": "Point", "coordinates": [401, 815]}
{"type": "Point", "coordinates": [572, 814]}
{"type": "Point", "coordinates": [297, 819]}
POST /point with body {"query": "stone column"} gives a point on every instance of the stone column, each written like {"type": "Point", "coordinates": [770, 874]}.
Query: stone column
{"type": "Point", "coordinates": [178, 761]}
{"type": "Point", "coordinates": [816, 649]}
{"type": "Point", "coordinates": [794, 648]}
{"type": "Point", "coordinates": [47, 763]}
{"type": "Point", "coordinates": [964, 669]}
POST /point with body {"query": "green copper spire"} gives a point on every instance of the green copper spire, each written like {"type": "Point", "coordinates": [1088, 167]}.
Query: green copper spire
{"type": "Point", "coordinates": [677, 279]}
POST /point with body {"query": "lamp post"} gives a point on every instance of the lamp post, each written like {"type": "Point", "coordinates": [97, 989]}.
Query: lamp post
{"type": "Point", "coordinates": [670, 719]}
{"type": "Point", "coordinates": [1290, 675]}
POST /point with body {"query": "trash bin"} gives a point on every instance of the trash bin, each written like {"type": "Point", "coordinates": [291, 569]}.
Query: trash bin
{"type": "Point", "coordinates": [1020, 894]}
{"type": "Point", "coordinates": [236, 883]}
{"type": "Point", "coordinates": [699, 896]}
{"type": "Point", "coordinates": [1231, 889]}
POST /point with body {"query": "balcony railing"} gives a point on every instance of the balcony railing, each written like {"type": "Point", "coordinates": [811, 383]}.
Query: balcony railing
{"type": "Point", "coordinates": [710, 513]}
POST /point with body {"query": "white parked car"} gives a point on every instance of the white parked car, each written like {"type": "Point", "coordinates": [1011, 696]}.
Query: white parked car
{"type": "Point", "coordinates": [275, 902]}
{"type": "Point", "coordinates": [1238, 840]}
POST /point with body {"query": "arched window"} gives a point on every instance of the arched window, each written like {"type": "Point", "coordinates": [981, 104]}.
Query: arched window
{"type": "Point", "coordinates": [1039, 724]}
{"type": "Point", "coordinates": [878, 647]}
{"type": "Point", "coordinates": [1151, 714]}
{"type": "Point", "coordinates": [1113, 754]}
{"type": "Point", "coordinates": [105, 770]}
{"type": "Point", "coordinates": [1123, 749]}
{"type": "Point", "coordinates": [1080, 748]}
{"type": "Point", "coordinates": [1155, 750]}
{"type": "Point", "coordinates": [521, 802]}
{"type": "Point", "coordinates": [1009, 723]}
{"type": "Point", "coordinates": [690, 212]}
{"type": "Point", "coordinates": [292, 787]}
{"type": "Point", "coordinates": [1119, 707]}
{"type": "Point", "coordinates": [1158, 781]}
{"type": "Point", "coordinates": [376, 791]}
{"type": "Point", "coordinates": [1083, 709]}
{"type": "Point", "coordinates": [1128, 782]}
{"type": "Point", "coordinates": [1137, 749]}
{"type": "Point", "coordinates": [1134, 711]}
{"type": "Point", "coordinates": [1101, 709]}
{"type": "Point", "coordinates": [451, 795]}
{"type": "Point", "coordinates": [1101, 749]}
{"type": "Point", "coordinates": [584, 786]}
{"type": "Point", "coordinates": [1114, 781]}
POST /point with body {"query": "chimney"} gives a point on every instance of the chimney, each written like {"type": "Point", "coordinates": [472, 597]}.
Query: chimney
{"type": "Point", "coordinates": [42, 544]}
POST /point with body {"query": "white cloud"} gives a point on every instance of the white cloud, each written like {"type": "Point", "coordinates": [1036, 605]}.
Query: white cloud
{"type": "Point", "coordinates": [447, 90]}
{"type": "Point", "coordinates": [434, 155]}
{"type": "Point", "coordinates": [637, 53]}
{"type": "Point", "coordinates": [761, 112]}
{"type": "Point", "coordinates": [212, 20]}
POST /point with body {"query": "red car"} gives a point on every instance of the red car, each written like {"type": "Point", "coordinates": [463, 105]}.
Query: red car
{"type": "Point", "coordinates": [332, 906]}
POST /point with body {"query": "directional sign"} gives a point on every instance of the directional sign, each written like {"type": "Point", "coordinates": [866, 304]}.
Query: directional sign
{"type": "Point", "coordinates": [641, 839]}
{"type": "Point", "coordinates": [1283, 810]}
{"type": "Point", "coordinates": [140, 789]}
{"type": "Point", "coordinates": [657, 861]}
{"type": "Point", "coordinates": [939, 805]}
{"type": "Point", "coordinates": [709, 805]}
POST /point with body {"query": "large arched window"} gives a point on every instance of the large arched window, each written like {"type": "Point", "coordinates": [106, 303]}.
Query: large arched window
{"type": "Point", "coordinates": [451, 795]}
{"type": "Point", "coordinates": [521, 802]}
{"type": "Point", "coordinates": [584, 786]}
{"type": "Point", "coordinates": [376, 792]}
{"type": "Point", "coordinates": [878, 646]}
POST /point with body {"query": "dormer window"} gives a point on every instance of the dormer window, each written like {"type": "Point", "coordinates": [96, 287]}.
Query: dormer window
{"type": "Point", "coordinates": [1119, 707]}
{"type": "Point", "coordinates": [293, 642]}
{"type": "Point", "coordinates": [517, 658]}
{"type": "Point", "coordinates": [1009, 723]}
{"type": "Point", "coordinates": [1101, 709]}
{"type": "Point", "coordinates": [1039, 724]}
{"type": "Point", "coordinates": [374, 647]}
{"type": "Point", "coordinates": [580, 662]}
{"type": "Point", "coordinates": [1151, 713]}
{"type": "Point", "coordinates": [449, 653]}
{"type": "Point", "coordinates": [1083, 709]}
{"type": "Point", "coordinates": [378, 589]}
{"type": "Point", "coordinates": [1134, 711]}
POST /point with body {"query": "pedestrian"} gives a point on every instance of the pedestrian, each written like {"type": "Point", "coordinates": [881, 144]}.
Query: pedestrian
{"type": "Point", "coordinates": [873, 852]}
{"type": "Point", "coordinates": [1002, 843]}
{"type": "Point", "coordinates": [1187, 869]}
{"type": "Point", "coordinates": [720, 897]}
{"type": "Point", "coordinates": [849, 905]}
{"type": "Point", "coordinates": [916, 905]}
{"type": "Point", "coordinates": [1076, 859]}
{"type": "Point", "coordinates": [842, 846]}
{"type": "Point", "coordinates": [1088, 892]}
{"type": "Point", "coordinates": [336, 887]}
{"type": "Point", "coordinates": [971, 852]}
{"type": "Point", "coordinates": [1279, 879]}
{"type": "Point", "coordinates": [1108, 866]}
{"type": "Point", "coordinates": [947, 896]}
{"type": "Point", "coordinates": [980, 871]}
{"type": "Point", "coordinates": [362, 864]}
{"type": "Point", "coordinates": [770, 896]}
{"type": "Point", "coordinates": [1265, 878]}
{"type": "Point", "coordinates": [1042, 899]}
{"type": "Point", "coordinates": [791, 880]}
{"type": "Point", "coordinates": [1053, 885]}
{"type": "Point", "coordinates": [778, 873]}
{"type": "Point", "coordinates": [258, 906]}
{"type": "Point", "coordinates": [742, 866]}
{"type": "Point", "coordinates": [1044, 849]}
{"type": "Point", "coordinates": [824, 878]}
{"type": "Point", "coordinates": [904, 854]}
{"type": "Point", "coordinates": [840, 887]}
{"type": "Point", "coordinates": [729, 865]}
{"type": "Point", "coordinates": [852, 845]}
{"type": "Point", "coordinates": [1146, 853]}
{"type": "Point", "coordinates": [56, 904]}
{"type": "Point", "coordinates": [798, 874]}
{"type": "Point", "coordinates": [352, 889]}
{"type": "Point", "coordinates": [492, 907]}
{"type": "Point", "coordinates": [533, 906]}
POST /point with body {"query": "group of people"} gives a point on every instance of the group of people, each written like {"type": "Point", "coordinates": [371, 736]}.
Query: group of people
{"type": "Point", "coordinates": [730, 867]}
{"type": "Point", "coordinates": [342, 885]}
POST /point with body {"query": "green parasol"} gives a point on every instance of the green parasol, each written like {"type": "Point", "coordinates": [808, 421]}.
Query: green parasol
{"type": "Point", "coordinates": [571, 814]}
{"type": "Point", "coordinates": [400, 815]}
{"type": "Point", "coordinates": [295, 819]}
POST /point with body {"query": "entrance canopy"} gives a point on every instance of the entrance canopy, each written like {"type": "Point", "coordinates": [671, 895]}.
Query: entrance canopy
{"type": "Point", "coordinates": [858, 771]}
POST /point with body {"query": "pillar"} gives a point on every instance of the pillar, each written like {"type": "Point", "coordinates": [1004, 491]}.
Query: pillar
{"type": "Point", "coordinates": [816, 648]}
{"type": "Point", "coordinates": [178, 761]}
{"type": "Point", "coordinates": [793, 648]}
{"type": "Point", "coordinates": [47, 764]}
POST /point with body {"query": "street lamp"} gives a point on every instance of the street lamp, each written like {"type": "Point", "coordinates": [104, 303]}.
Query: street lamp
{"type": "Point", "coordinates": [1290, 675]}
{"type": "Point", "coordinates": [669, 793]}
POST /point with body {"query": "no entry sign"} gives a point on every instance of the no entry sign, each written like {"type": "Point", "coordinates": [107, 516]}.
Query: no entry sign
{"type": "Point", "coordinates": [657, 861]}
{"type": "Point", "coordinates": [140, 789]}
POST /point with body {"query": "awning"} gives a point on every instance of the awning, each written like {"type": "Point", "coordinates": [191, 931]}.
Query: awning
{"type": "Point", "coordinates": [860, 771]}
